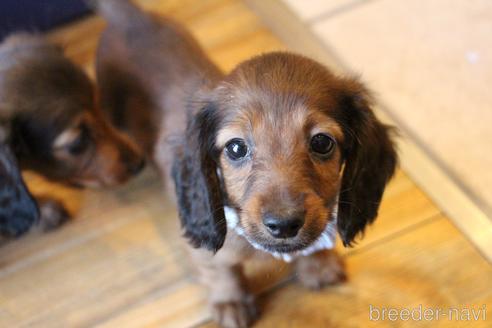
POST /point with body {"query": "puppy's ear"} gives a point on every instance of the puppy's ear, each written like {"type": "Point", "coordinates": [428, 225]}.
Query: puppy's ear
{"type": "Point", "coordinates": [370, 160]}
{"type": "Point", "coordinates": [18, 210]}
{"type": "Point", "coordinates": [198, 187]}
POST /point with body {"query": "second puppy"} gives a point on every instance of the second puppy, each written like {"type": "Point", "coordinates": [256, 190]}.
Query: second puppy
{"type": "Point", "coordinates": [55, 126]}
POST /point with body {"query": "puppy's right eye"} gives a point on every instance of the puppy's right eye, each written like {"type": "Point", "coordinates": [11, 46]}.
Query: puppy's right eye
{"type": "Point", "coordinates": [236, 149]}
{"type": "Point", "coordinates": [80, 144]}
{"type": "Point", "coordinates": [322, 145]}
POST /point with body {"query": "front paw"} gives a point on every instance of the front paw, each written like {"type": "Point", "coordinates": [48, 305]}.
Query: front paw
{"type": "Point", "coordinates": [321, 269]}
{"type": "Point", "coordinates": [52, 214]}
{"type": "Point", "coordinates": [235, 314]}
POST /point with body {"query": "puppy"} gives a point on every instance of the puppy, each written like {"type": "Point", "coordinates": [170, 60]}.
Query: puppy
{"type": "Point", "coordinates": [56, 127]}
{"type": "Point", "coordinates": [276, 157]}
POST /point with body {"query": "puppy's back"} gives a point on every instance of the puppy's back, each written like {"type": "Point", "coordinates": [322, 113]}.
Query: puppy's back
{"type": "Point", "coordinates": [20, 47]}
{"type": "Point", "coordinates": [35, 74]}
{"type": "Point", "coordinates": [147, 67]}
{"type": "Point", "coordinates": [152, 42]}
{"type": "Point", "coordinates": [15, 50]}
{"type": "Point", "coordinates": [123, 14]}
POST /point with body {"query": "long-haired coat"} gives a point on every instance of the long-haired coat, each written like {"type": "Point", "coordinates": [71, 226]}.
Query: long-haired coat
{"type": "Point", "coordinates": [52, 125]}
{"type": "Point", "coordinates": [18, 210]}
{"type": "Point", "coordinates": [275, 156]}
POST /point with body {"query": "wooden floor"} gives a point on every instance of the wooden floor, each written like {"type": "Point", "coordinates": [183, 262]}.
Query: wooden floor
{"type": "Point", "coordinates": [120, 262]}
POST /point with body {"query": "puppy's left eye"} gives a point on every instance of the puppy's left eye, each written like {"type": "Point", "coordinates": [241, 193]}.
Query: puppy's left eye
{"type": "Point", "coordinates": [322, 144]}
{"type": "Point", "coordinates": [236, 149]}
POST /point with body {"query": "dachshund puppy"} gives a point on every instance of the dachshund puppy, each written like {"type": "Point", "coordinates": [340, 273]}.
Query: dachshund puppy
{"type": "Point", "coordinates": [56, 128]}
{"type": "Point", "coordinates": [276, 157]}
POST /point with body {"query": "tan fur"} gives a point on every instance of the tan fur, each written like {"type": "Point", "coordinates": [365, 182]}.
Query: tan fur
{"type": "Point", "coordinates": [279, 167]}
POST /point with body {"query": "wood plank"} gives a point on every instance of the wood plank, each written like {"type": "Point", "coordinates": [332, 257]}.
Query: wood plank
{"type": "Point", "coordinates": [403, 207]}
{"type": "Point", "coordinates": [309, 10]}
{"type": "Point", "coordinates": [76, 282]}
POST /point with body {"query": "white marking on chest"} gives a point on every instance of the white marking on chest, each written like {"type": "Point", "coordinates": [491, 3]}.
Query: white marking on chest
{"type": "Point", "coordinates": [326, 240]}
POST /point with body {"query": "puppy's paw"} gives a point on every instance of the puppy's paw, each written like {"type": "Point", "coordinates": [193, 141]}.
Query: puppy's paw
{"type": "Point", "coordinates": [52, 214]}
{"type": "Point", "coordinates": [235, 314]}
{"type": "Point", "coordinates": [321, 269]}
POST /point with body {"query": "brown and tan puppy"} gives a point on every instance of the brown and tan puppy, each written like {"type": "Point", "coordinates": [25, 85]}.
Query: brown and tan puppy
{"type": "Point", "coordinates": [275, 157]}
{"type": "Point", "coordinates": [54, 124]}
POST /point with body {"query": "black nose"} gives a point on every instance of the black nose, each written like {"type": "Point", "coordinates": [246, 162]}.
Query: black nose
{"type": "Point", "coordinates": [136, 166]}
{"type": "Point", "coordinates": [133, 161]}
{"type": "Point", "coordinates": [283, 227]}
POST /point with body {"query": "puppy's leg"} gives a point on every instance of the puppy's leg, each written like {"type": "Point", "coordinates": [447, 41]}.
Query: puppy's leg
{"type": "Point", "coordinates": [320, 269]}
{"type": "Point", "coordinates": [231, 304]}
{"type": "Point", "coordinates": [52, 214]}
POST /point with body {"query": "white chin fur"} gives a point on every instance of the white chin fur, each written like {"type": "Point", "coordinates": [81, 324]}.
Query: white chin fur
{"type": "Point", "coordinates": [325, 241]}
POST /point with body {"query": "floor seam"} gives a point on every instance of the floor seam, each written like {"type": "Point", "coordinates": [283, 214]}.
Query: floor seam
{"type": "Point", "coordinates": [68, 245]}
{"type": "Point", "coordinates": [395, 235]}
{"type": "Point", "coordinates": [337, 11]}
{"type": "Point", "coordinates": [148, 298]}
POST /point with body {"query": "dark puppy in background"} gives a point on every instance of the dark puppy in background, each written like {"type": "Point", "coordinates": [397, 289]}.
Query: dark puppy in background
{"type": "Point", "coordinates": [276, 157]}
{"type": "Point", "coordinates": [18, 210]}
{"type": "Point", "coordinates": [55, 126]}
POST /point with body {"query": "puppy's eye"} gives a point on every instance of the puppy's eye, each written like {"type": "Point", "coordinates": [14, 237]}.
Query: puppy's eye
{"type": "Point", "coordinates": [322, 144]}
{"type": "Point", "coordinates": [79, 144]}
{"type": "Point", "coordinates": [236, 149]}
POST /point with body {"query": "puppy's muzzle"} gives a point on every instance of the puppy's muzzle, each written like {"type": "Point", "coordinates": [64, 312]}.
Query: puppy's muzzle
{"type": "Point", "coordinates": [283, 227]}
{"type": "Point", "coordinates": [136, 167]}
{"type": "Point", "coordinates": [133, 161]}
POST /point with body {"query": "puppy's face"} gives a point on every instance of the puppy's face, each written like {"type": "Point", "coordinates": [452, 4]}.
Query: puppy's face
{"type": "Point", "coordinates": [286, 144]}
{"type": "Point", "coordinates": [93, 154]}
{"type": "Point", "coordinates": [280, 163]}
{"type": "Point", "coordinates": [78, 147]}
{"type": "Point", "coordinates": [58, 129]}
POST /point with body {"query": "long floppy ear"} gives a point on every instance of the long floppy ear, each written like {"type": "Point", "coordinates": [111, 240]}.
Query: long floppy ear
{"type": "Point", "coordinates": [18, 210]}
{"type": "Point", "coordinates": [198, 188]}
{"type": "Point", "coordinates": [370, 161]}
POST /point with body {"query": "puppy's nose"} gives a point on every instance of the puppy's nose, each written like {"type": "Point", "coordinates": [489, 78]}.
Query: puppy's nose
{"type": "Point", "coordinates": [280, 227]}
{"type": "Point", "coordinates": [136, 166]}
{"type": "Point", "coordinates": [132, 161]}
